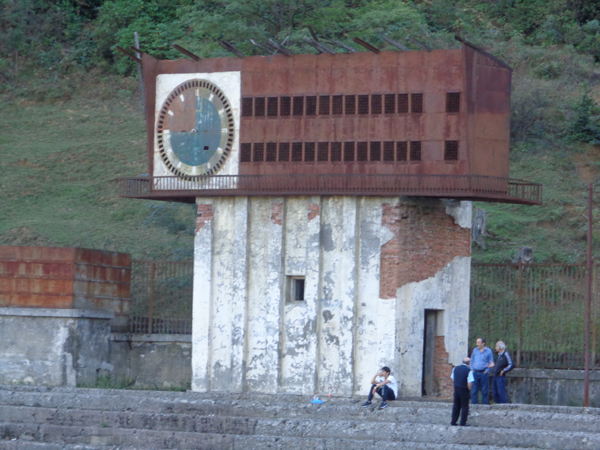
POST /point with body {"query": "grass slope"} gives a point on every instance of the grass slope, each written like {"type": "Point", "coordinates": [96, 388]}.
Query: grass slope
{"type": "Point", "coordinates": [59, 161]}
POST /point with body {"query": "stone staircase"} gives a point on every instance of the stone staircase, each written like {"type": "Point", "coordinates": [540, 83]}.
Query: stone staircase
{"type": "Point", "coordinates": [40, 418]}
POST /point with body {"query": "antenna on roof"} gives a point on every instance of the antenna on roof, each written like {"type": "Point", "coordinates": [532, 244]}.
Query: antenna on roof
{"type": "Point", "coordinates": [344, 46]}
{"type": "Point", "coordinates": [262, 47]}
{"type": "Point", "coordinates": [279, 47]}
{"type": "Point", "coordinates": [230, 48]}
{"type": "Point", "coordinates": [320, 47]}
{"type": "Point", "coordinates": [395, 43]}
{"type": "Point", "coordinates": [186, 52]}
{"type": "Point", "coordinates": [367, 45]}
{"type": "Point", "coordinates": [130, 55]}
{"type": "Point", "coordinates": [420, 44]}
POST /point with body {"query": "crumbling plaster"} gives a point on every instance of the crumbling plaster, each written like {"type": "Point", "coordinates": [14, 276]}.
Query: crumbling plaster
{"type": "Point", "coordinates": [249, 337]}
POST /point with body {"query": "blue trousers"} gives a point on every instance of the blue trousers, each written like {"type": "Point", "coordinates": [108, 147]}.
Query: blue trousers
{"type": "Point", "coordinates": [387, 393]}
{"type": "Point", "coordinates": [499, 389]}
{"type": "Point", "coordinates": [481, 383]}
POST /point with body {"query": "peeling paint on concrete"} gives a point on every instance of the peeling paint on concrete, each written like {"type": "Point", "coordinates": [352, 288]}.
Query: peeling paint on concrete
{"type": "Point", "coordinates": [462, 213]}
{"type": "Point", "coordinates": [249, 335]}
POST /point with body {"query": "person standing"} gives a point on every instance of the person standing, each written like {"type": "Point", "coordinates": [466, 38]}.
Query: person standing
{"type": "Point", "coordinates": [482, 359]}
{"type": "Point", "coordinates": [504, 364]}
{"type": "Point", "coordinates": [463, 380]}
{"type": "Point", "coordinates": [384, 384]}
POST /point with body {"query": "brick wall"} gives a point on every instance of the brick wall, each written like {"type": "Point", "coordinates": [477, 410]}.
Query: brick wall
{"type": "Point", "coordinates": [205, 214]}
{"type": "Point", "coordinates": [425, 240]}
{"type": "Point", "coordinates": [442, 370]}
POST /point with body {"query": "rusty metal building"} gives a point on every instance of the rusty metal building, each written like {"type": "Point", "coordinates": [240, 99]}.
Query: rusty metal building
{"type": "Point", "coordinates": [334, 213]}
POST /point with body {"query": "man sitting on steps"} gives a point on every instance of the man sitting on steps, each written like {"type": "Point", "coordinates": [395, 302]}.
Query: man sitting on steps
{"type": "Point", "coordinates": [384, 384]}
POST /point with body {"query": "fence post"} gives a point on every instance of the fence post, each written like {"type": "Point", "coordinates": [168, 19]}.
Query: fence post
{"type": "Point", "coordinates": [520, 313]}
{"type": "Point", "coordinates": [151, 300]}
{"type": "Point", "coordinates": [594, 312]}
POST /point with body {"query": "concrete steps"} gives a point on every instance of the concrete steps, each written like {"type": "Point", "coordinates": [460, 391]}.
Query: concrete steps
{"type": "Point", "coordinates": [41, 418]}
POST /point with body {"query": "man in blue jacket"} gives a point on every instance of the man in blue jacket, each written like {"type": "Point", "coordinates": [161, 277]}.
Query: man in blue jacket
{"type": "Point", "coordinates": [482, 360]}
{"type": "Point", "coordinates": [504, 364]}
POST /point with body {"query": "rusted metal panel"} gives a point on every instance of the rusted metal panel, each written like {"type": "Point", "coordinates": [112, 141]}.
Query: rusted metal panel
{"type": "Point", "coordinates": [364, 99]}
{"type": "Point", "coordinates": [465, 187]}
{"type": "Point", "coordinates": [48, 277]}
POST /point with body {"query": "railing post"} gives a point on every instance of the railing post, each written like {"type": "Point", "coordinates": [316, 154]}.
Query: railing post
{"type": "Point", "coordinates": [520, 313]}
{"type": "Point", "coordinates": [151, 299]}
{"type": "Point", "coordinates": [594, 313]}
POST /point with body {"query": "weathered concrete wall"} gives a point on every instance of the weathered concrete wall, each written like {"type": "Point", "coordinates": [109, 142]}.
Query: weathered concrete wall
{"type": "Point", "coordinates": [371, 266]}
{"type": "Point", "coordinates": [53, 347]}
{"type": "Point", "coordinates": [551, 387]}
{"type": "Point", "coordinates": [151, 361]}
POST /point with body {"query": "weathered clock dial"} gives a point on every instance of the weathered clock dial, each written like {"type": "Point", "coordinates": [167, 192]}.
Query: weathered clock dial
{"type": "Point", "coordinates": [195, 129]}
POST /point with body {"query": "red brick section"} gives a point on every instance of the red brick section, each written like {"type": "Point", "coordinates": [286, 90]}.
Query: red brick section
{"type": "Point", "coordinates": [205, 214]}
{"type": "Point", "coordinates": [425, 240]}
{"type": "Point", "coordinates": [313, 211]}
{"type": "Point", "coordinates": [442, 370]}
{"type": "Point", "coordinates": [277, 213]}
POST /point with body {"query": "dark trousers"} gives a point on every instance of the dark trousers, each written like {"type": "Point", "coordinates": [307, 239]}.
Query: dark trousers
{"type": "Point", "coordinates": [499, 389]}
{"type": "Point", "coordinates": [387, 393]}
{"type": "Point", "coordinates": [461, 405]}
{"type": "Point", "coordinates": [481, 383]}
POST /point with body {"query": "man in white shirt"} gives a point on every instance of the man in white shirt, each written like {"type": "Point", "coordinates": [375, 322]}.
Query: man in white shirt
{"type": "Point", "coordinates": [384, 384]}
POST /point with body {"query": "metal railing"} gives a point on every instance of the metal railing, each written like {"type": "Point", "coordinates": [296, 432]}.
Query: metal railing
{"type": "Point", "coordinates": [537, 309]}
{"type": "Point", "coordinates": [161, 297]}
{"type": "Point", "coordinates": [449, 186]}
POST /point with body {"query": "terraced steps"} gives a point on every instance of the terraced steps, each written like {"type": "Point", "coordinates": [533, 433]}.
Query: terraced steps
{"type": "Point", "coordinates": [41, 418]}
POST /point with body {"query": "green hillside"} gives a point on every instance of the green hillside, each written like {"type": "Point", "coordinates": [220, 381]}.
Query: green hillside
{"type": "Point", "coordinates": [72, 120]}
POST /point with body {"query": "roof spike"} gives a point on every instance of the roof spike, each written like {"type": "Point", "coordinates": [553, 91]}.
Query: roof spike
{"type": "Point", "coordinates": [395, 43]}
{"type": "Point", "coordinates": [259, 45]}
{"type": "Point", "coordinates": [320, 47]}
{"type": "Point", "coordinates": [366, 45]}
{"type": "Point", "coordinates": [230, 48]}
{"type": "Point", "coordinates": [186, 52]}
{"type": "Point", "coordinates": [420, 44]}
{"type": "Point", "coordinates": [344, 46]}
{"type": "Point", "coordinates": [130, 55]}
{"type": "Point", "coordinates": [280, 48]}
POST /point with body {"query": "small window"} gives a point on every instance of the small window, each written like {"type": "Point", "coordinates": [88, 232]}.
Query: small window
{"type": "Point", "coordinates": [363, 104]}
{"type": "Point", "coordinates": [401, 151]}
{"type": "Point", "coordinates": [350, 101]}
{"type": "Point", "coordinates": [362, 151]}
{"type": "Point", "coordinates": [309, 151]}
{"type": "Point", "coordinates": [246, 153]}
{"type": "Point", "coordinates": [259, 107]}
{"type": "Point", "coordinates": [415, 150]}
{"type": "Point", "coordinates": [337, 105]}
{"type": "Point", "coordinates": [388, 151]}
{"type": "Point", "coordinates": [298, 106]}
{"type": "Point", "coordinates": [390, 104]}
{"type": "Point", "coordinates": [402, 103]}
{"type": "Point", "coordinates": [295, 289]}
{"type": "Point", "coordinates": [297, 152]}
{"type": "Point", "coordinates": [336, 151]}
{"type": "Point", "coordinates": [284, 151]}
{"type": "Point", "coordinates": [271, 151]}
{"type": "Point", "coordinates": [285, 106]}
{"type": "Point", "coordinates": [348, 151]}
{"type": "Point", "coordinates": [451, 151]}
{"type": "Point", "coordinates": [375, 151]}
{"type": "Point", "coordinates": [259, 153]}
{"type": "Point", "coordinates": [453, 102]}
{"type": "Point", "coordinates": [247, 106]}
{"type": "Point", "coordinates": [323, 151]}
{"type": "Point", "coordinates": [311, 105]}
{"type": "Point", "coordinates": [376, 104]}
{"type": "Point", "coordinates": [272, 106]}
{"type": "Point", "coordinates": [416, 103]}
{"type": "Point", "coordinates": [324, 105]}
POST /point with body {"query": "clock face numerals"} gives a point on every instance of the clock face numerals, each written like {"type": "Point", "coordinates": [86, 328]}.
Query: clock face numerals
{"type": "Point", "coordinates": [195, 129]}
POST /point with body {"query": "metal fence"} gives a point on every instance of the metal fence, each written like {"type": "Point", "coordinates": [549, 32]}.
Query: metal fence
{"type": "Point", "coordinates": [538, 310]}
{"type": "Point", "coordinates": [161, 297]}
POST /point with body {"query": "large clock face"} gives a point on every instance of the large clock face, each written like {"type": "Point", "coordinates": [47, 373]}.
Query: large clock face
{"type": "Point", "coordinates": [195, 129]}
